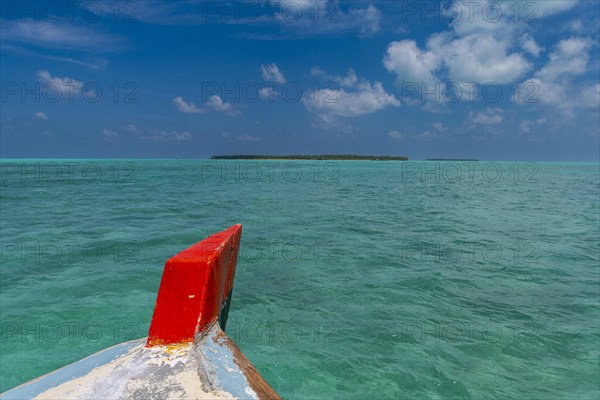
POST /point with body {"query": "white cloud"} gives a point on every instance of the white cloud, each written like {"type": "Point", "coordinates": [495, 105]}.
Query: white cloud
{"type": "Point", "coordinates": [179, 136]}
{"type": "Point", "coordinates": [109, 135]}
{"type": "Point", "coordinates": [61, 36]}
{"type": "Point", "coordinates": [395, 134]}
{"type": "Point", "coordinates": [575, 26]}
{"type": "Point", "coordinates": [296, 4]}
{"type": "Point", "coordinates": [156, 135]}
{"type": "Point", "coordinates": [438, 126]}
{"type": "Point", "coordinates": [503, 16]}
{"type": "Point", "coordinates": [357, 97]}
{"type": "Point", "coordinates": [131, 128]}
{"type": "Point", "coordinates": [316, 71]}
{"type": "Point", "coordinates": [529, 44]}
{"type": "Point", "coordinates": [525, 125]}
{"type": "Point", "coordinates": [490, 116]}
{"type": "Point", "coordinates": [242, 138]}
{"type": "Point", "coordinates": [411, 64]}
{"type": "Point", "coordinates": [369, 18]}
{"type": "Point", "coordinates": [545, 8]}
{"type": "Point", "coordinates": [248, 138]}
{"type": "Point", "coordinates": [326, 17]}
{"type": "Point", "coordinates": [535, 90]}
{"type": "Point", "coordinates": [40, 116]}
{"type": "Point", "coordinates": [477, 57]}
{"type": "Point", "coordinates": [55, 87]}
{"type": "Point", "coordinates": [268, 93]}
{"type": "Point", "coordinates": [293, 17]}
{"type": "Point", "coordinates": [477, 47]}
{"type": "Point", "coordinates": [570, 57]}
{"type": "Point", "coordinates": [94, 63]}
{"type": "Point", "coordinates": [348, 80]}
{"type": "Point", "coordinates": [186, 107]}
{"type": "Point", "coordinates": [590, 96]}
{"type": "Point", "coordinates": [162, 135]}
{"type": "Point", "coordinates": [585, 25]}
{"type": "Point", "coordinates": [365, 99]}
{"type": "Point", "coordinates": [216, 103]}
{"type": "Point", "coordinates": [271, 73]}
{"type": "Point", "coordinates": [554, 84]}
{"type": "Point", "coordinates": [480, 57]}
{"type": "Point", "coordinates": [471, 18]}
{"type": "Point", "coordinates": [427, 135]}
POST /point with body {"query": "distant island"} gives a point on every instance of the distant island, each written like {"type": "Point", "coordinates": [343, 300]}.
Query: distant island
{"type": "Point", "coordinates": [451, 159]}
{"type": "Point", "coordinates": [310, 157]}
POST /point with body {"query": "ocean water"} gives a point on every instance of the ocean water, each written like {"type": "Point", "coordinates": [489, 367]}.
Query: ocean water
{"type": "Point", "coordinates": [355, 280]}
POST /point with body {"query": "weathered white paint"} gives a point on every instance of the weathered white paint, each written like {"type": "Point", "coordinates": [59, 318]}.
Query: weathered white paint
{"type": "Point", "coordinates": [205, 370]}
{"type": "Point", "coordinates": [220, 367]}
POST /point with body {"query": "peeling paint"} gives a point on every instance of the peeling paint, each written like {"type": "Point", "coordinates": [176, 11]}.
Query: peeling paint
{"type": "Point", "coordinates": [218, 364]}
{"type": "Point", "coordinates": [133, 372]}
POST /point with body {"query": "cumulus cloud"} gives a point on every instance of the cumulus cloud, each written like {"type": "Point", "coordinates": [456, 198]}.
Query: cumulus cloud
{"type": "Point", "coordinates": [369, 17]}
{"type": "Point", "coordinates": [366, 99]}
{"type": "Point", "coordinates": [478, 50]}
{"type": "Point", "coordinates": [271, 73]}
{"type": "Point", "coordinates": [316, 71]}
{"type": "Point", "coordinates": [323, 17]}
{"type": "Point", "coordinates": [268, 93]}
{"type": "Point", "coordinates": [65, 87]}
{"type": "Point", "coordinates": [567, 97]}
{"type": "Point", "coordinates": [40, 116]}
{"type": "Point", "coordinates": [395, 134]}
{"type": "Point", "coordinates": [214, 103]}
{"type": "Point", "coordinates": [525, 125]}
{"type": "Point", "coordinates": [186, 107]}
{"type": "Point", "coordinates": [164, 135]}
{"type": "Point", "coordinates": [490, 116]}
{"type": "Point", "coordinates": [155, 135]}
{"type": "Point", "coordinates": [535, 90]}
{"type": "Point", "coordinates": [476, 47]}
{"type": "Point", "coordinates": [242, 138]}
{"type": "Point", "coordinates": [348, 80]}
{"type": "Point", "coordinates": [353, 97]}
{"type": "Point", "coordinates": [570, 57]}
{"type": "Point", "coordinates": [410, 63]}
{"type": "Point", "coordinates": [131, 128]}
{"type": "Point", "coordinates": [480, 57]}
{"type": "Point", "coordinates": [585, 25]}
{"type": "Point", "coordinates": [438, 126]}
{"type": "Point", "coordinates": [179, 136]}
{"type": "Point", "coordinates": [554, 83]}
{"type": "Point", "coordinates": [529, 44]}
{"type": "Point", "coordinates": [109, 135]}
{"type": "Point", "coordinates": [590, 96]}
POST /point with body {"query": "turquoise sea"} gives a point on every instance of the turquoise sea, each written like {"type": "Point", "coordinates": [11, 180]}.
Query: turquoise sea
{"type": "Point", "coordinates": [355, 280]}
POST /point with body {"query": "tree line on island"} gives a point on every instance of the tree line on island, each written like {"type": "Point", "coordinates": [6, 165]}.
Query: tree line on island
{"type": "Point", "coordinates": [337, 157]}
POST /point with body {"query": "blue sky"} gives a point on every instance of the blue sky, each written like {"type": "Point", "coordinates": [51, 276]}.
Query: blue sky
{"type": "Point", "coordinates": [494, 80]}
